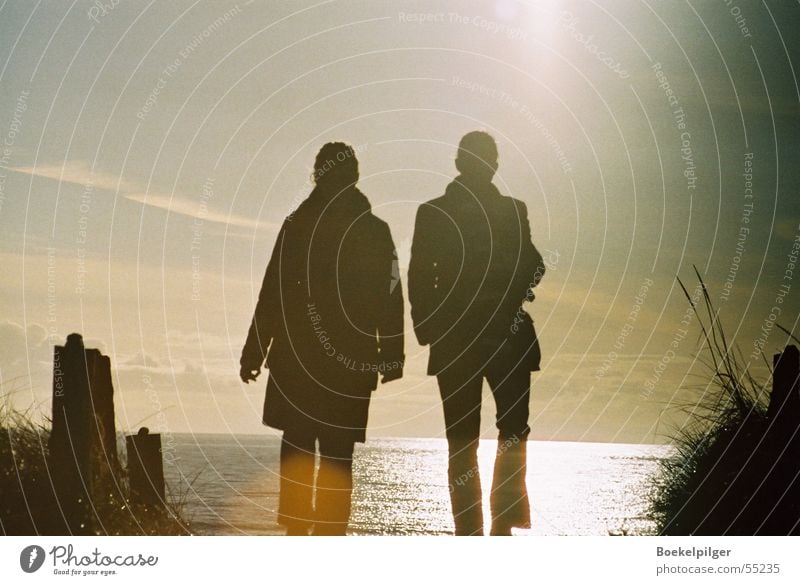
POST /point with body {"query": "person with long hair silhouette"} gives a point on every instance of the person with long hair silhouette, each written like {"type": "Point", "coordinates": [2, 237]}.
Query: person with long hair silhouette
{"type": "Point", "coordinates": [329, 322]}
{"type": "Point", "coordinates": [472, 266]}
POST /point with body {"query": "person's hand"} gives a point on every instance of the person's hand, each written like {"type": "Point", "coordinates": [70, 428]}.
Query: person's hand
{"type": "Point", "coordinates": [247, 374]}
{"type": "Point", "coordinates": [390, 375]}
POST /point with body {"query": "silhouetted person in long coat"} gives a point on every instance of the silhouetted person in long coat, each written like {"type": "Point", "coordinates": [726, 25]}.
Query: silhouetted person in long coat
{"type": "Point", "coordinates": [472, 266]}
{"type": "Point", "coordinates": [329, 321]}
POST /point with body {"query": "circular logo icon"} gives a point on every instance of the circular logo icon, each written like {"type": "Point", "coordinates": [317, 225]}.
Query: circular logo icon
{"type": "Point", "coordinates": [31, 558]}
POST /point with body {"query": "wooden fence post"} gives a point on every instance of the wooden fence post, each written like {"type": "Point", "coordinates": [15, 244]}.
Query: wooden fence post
{"type": "Point", "coordinates": [83, 449]}
{"type": "Point", "coordinates": [784, 402]}
{"type": "Point", "coordinates": [145, 468]}
{"type": "Point", "coordinates": [782, 465]}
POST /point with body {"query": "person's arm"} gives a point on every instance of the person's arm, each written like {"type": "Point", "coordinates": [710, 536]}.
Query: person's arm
{"type": "Point", "coordinates": [391, 341]}
{"type": "Point", "coordinates": [531, 261]}
{"type": "Point", "coordinates": [261, 330]}
{"type": "Point", "coordinates": [422, 273]}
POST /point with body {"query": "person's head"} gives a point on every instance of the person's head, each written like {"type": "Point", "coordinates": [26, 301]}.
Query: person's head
{"type": "Point", "coordinates": [477, 156]}
{"type": "Point", "coordinates": [336, 165]}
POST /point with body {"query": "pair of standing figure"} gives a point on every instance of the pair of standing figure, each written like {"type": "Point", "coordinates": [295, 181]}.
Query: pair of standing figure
{"type": "Point", "coordinates": [329, 323]}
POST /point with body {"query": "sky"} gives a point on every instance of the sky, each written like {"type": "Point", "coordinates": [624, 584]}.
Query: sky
{"type": "Point", "coordinates": [149, 152]}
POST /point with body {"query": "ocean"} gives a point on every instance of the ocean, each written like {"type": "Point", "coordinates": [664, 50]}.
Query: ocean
{"type": "Point", "coordinates": [230, 485]}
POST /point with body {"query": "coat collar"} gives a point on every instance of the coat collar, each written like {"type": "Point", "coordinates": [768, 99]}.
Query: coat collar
{"type": "Point", "coordinates": [349, 201]}
{"type": "Point", "coordinates": [465, 186]}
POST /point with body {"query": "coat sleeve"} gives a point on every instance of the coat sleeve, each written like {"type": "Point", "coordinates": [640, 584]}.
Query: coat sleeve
{"type": "Point", "coordinates": [262, 326]}
{"type": "Point", "coordinates": [422, 273]}
{"type": "Point", "coordinates": [532, 263]}
{"type": "Point", "coordinates": [391, 340]}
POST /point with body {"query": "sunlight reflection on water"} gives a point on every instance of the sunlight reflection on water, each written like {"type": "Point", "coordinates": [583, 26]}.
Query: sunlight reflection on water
{"type": "Point", "coordinates": [231, 485]}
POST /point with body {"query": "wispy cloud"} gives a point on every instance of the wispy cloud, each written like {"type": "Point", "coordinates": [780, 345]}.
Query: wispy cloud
{"type": "Point", "coordinates": [189, 208]}
{"type": "Point", "coordinates": [78, 172]}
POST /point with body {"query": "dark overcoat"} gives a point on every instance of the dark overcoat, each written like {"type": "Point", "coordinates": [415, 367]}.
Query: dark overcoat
{"type": "Point", "coordinates": [329, 318]}
{"type": "Point", "coordinates": [472, 266]}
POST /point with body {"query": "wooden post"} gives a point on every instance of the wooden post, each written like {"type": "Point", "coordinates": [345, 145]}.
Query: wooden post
{"type": "Point", "coordinates": [145, 468]}
{"type": "Point", "coordinates": [82, 445]}
{"type": "Point", "coordinates": [784, 402]}
{"type": "Point", "coordinates": [781, 491]}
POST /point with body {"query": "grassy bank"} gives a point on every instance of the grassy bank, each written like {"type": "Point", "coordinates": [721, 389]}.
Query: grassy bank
{"type": "Point", "coordinates": [28, 505]}
{"type": "Point", "coordinates": [736, 466]}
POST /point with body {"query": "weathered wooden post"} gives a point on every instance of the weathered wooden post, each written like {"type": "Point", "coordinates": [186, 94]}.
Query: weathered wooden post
{"type": "Point", "coordinates": [145, 468]}
{"type": "Point", "coordinates": [781, 466]}
{"type": "Point", "coordinates": [82, 445]}
{"type": "Point", "coordinates": [784, 402]}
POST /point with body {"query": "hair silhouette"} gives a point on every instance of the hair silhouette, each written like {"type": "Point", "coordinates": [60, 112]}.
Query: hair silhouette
{"type": "Point", "coordinates": [477, 155]}
{"type": "Point", "coordinates": [336, 164]}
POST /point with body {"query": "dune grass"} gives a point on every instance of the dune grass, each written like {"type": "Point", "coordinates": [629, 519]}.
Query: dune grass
{"type": "Point", "coordinates": [28, 505]}
{"type": "Point", "coordinates": [734, 472]}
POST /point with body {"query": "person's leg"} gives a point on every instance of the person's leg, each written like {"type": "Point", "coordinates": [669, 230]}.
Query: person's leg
{"type": "Point", "coordinates": [509, 500]}
{"type": "Point", "coordinates": [461, 400]}
{"type": "Point", "coordinates": [295, 510]}
{"type": "Point", "coordinates": [334, 483]}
